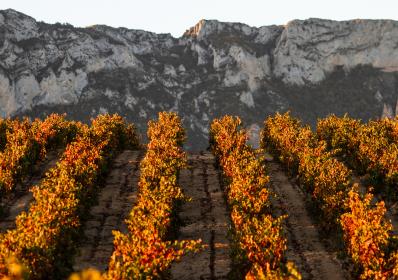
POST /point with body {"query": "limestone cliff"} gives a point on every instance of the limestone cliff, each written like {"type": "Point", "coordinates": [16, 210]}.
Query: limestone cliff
{"type": "Point", "coordinates": [311, 67]}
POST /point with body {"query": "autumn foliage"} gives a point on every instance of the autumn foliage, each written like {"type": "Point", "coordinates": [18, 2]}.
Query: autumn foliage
{"type": "Point", "coordinates": [366, 231]}
{"type": "Point", "coordinates": [27, 142]}
{"type": "Point", "coordinates": [42, 244]}
{"type": "Point", "coordinates": [367, 237]}
{"type": "Point", "coordinates": [324, 177]}
{"type": "Point", "coordinates": [44, 235]}
{"type": "Point", "coordinates": [144, 252]}
{"type": "Point", "coordinates": [369, 148]}
{"type": "Point", "coordinates": [257, 233]}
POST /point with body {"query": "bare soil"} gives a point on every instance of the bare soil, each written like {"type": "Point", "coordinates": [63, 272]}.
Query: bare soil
{"type": "Point", "coordinates": [305, 245]}
{"type": "Point", "coordinates": [115, 202]}
{"type": "Point", "coordinates": [205, 217]}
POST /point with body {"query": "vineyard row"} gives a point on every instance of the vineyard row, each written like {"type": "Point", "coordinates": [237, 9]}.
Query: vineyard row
{"type": "Point", "coordinates": [366, 232]}
{"type": "Point", "coordinates": [44, 241]}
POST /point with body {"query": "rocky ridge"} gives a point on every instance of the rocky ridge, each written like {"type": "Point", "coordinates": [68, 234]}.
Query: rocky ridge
{"type": "Point", "coordinates": [312, 67]}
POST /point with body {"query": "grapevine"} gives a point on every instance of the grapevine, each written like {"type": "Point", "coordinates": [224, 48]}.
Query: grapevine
{"type": "Point", "coordinates": [43, 237]}
{"type": "Point", "coordinates": [27, 143]}
{"type": "Point", "coordinates": [369, 148]}
{"type": "Point", "coordinates": [324, 177]}
{"type": "Point", "coordinates": [365, 230]}
{"type": "Point", "coordinates": [145, 252]}
{"type": "Point", "coordinates": [257, 233]}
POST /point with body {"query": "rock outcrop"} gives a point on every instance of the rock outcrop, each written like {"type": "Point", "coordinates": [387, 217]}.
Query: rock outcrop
{"type": "Point", "coordinates": [311, 67]}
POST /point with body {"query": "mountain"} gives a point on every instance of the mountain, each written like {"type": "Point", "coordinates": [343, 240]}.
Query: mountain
{"type": "Point", "coordinates": [312, 67]}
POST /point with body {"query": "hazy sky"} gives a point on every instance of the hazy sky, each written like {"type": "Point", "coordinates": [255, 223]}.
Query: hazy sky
{"type": "Point", "coordinates": [174, 16]}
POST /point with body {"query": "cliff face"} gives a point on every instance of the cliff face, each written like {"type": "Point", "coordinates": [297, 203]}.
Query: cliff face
{"type": "Point", "coordinates": [312, 67]}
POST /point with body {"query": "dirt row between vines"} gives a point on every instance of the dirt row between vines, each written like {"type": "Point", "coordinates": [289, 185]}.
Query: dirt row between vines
{"type": "Point", "coordinates": [20, 198]}
{"type": "Point", "coordinates": [305, 246]}
{"type": "Point", "coordinates": [205, 217]}
{"type": "Point", "coordinates": [115, 201]}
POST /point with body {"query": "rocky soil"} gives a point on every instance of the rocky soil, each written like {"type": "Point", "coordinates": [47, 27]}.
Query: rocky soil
{"type": "Point", "coordinates": [206, 218]}
{"type": "Point", "coordinates": [115, 201]}
{"type": "Point", "coordinates": [306, 247]}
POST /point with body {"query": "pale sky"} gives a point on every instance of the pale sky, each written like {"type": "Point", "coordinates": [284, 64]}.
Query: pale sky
{"type": "Point", "coordinates": [175, 16]}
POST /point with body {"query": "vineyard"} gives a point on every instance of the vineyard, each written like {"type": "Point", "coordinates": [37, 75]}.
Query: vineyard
{"type": "Point", "coordinates": [91, 201]}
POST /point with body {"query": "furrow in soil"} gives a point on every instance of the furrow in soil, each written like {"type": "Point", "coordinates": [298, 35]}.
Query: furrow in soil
{"type": "Point", "coordinates": [206, 218]}
{"type": "Point", "coordinates": [115, 201]}
{"type": "Point", "coordinates": [305, 247]}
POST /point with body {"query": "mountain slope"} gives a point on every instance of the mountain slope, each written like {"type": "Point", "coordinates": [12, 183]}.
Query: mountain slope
{"type": "Point", "coordinates": [311, 67]}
